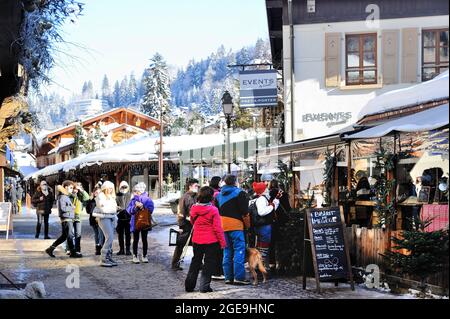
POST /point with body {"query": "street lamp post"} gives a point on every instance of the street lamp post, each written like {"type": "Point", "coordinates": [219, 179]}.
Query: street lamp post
{"type": "Point", "coordinates": [227, 105]}
{"type": "Point", "coordinates": [161, 163]}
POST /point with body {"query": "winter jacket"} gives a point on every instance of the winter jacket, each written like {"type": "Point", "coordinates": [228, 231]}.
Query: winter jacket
{"type": "Point", "coordinates": [233, 208]}
{"type": "Point", "coordinates": [45, 205]}
{"type": "Point", "coordinates": [19, 192]}
{"type": "Point", "coordinates": [90, 206]}
{"type": "Point", "coordinates": [66, 209]}
{"type": "Point", "coordinates": [105, 207]}
{"type": "Point", "coordinates": [122, 201]}
{"type": "Point", "coordinates": [207, 225]}
{"type": "Point", "coordinates": [184, 207]}
{"type": "Point", "coordinates": [132, 209]}
{"type": "Point", "coordinates": [79, 200]}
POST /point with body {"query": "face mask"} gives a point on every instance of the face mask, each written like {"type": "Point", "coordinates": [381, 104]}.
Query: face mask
{"type": "Point", "coordinates": [194, 189]}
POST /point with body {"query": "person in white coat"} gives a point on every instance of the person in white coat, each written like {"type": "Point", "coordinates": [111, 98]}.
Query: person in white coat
{"type": "Point", "coordinates": [263, 222]}
{"type": "Point", "coordinates": [106, 214]}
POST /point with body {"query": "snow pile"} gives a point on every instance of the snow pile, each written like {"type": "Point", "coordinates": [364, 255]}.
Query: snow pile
{"type": "Point", "coordinates": [433, 90]}
{"type": "Point", "coordinates": [167, 199]}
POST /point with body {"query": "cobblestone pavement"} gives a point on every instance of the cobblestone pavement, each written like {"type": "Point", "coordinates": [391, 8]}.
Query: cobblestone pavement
{"type": "Point", "coordinates": [22, 259]}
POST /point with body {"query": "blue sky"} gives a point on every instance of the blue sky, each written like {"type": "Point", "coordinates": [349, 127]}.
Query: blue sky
{"type": "Point", "coordinates": [121, 36]}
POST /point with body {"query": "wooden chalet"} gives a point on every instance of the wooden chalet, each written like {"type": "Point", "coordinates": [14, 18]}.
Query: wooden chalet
{"type": "Point", "coordinates": [122, 123]}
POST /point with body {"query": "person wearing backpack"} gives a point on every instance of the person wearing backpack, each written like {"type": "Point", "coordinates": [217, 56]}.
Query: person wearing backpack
{"type": "Point", "coordinates": [233, 208]}
{"type": "Point", "coordinates": [263, 213]}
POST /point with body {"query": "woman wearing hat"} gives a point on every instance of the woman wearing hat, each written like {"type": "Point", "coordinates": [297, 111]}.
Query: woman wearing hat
{"type": "Point", "coordinates": [140, 201]}
{"type": "Point", "coordinates": [264, 220]}
{"type": "Point", "coordinates": [105, 211]}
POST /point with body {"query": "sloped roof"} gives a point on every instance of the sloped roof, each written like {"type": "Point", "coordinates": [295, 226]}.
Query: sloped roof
{"type": "Point", "coordinates": [433, 90]}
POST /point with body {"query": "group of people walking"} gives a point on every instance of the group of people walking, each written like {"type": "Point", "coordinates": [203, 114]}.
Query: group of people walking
{"type": "Point", "coordinates": [221, 220]}
{"type": "Point", "coordinates": [223, 224]}
{"type": "Point", "coordinates": [108, 212]}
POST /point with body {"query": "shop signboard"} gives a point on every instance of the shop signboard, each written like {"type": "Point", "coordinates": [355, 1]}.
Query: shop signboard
{"type": "Point", "coordinates": [331, 258]}
{"type": "Point", "coordinates": [258, 88]}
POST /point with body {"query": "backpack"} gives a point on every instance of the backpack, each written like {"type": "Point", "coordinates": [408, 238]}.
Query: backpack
{"type": "Point", "coordinates": [255, 219]}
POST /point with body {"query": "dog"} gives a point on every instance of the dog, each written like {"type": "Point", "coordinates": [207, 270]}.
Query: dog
{"type": "Point", "coordinates": [254, 259]}
{"type": "Point", "coordinates": [34, 290]}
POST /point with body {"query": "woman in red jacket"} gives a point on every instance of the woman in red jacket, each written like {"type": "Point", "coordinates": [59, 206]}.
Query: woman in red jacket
{"type": "Point", "coordinates": [207, 239]}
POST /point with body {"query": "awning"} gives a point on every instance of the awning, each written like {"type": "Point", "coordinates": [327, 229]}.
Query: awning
{"type": "Point", "coordinates": [430, 119]}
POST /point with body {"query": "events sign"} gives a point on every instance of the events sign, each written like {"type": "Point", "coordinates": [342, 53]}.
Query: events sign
{"type": "Point", "coordinates": [258, 88]}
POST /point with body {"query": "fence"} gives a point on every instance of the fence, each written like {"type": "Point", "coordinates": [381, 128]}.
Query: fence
{"type": "Point", "coordinates": [367, 245]}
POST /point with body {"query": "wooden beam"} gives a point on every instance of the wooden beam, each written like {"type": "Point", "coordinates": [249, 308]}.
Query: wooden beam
{"type": "Point", "coordinates": [2, 185]}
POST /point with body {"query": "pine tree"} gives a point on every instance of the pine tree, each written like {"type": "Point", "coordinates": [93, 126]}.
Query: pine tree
{"type": "Point", "coordinates": [106, 91]}
{"type": "Point", "coordinates": [84, 90]}
{"type": "Point", "coordinates": [427, 252]}
{"type": "Point", "coordinates": [124, 93]}
{"type": "Point", "coordinates": [133, 90]}
{"type": "Point", "coordinates": [90, 90]}
{"type": "Point", "coordinates": [157, 94]}
{"type": "Point", "coordinates": [116, 94]}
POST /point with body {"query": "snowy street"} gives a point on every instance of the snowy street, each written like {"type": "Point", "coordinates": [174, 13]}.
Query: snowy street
{"type": "Point", "coordinates": [23, 260]}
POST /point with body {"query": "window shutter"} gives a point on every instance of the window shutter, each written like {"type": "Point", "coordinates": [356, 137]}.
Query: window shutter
{"type": "Point", "coordinates": [390, 57]}
{"type": "Point", "coordinates": [410, 57]}
{"type": "Point", "coordinates": [332, 59]}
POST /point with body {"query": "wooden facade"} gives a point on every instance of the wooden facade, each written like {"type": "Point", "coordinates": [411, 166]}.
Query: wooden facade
{"type": "Point", "coordinates": [129, 123]}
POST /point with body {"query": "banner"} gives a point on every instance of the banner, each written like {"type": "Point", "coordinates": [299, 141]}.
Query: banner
{"type": "Point", "coordinates": [258, 88]}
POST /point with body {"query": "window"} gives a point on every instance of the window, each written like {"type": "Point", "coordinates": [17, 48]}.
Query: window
{"type": "Point", "coordinates": [434, 53]}
{"type": "Point", "coordinates": [361, 59]}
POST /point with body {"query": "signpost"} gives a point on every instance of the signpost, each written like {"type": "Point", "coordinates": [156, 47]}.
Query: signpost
{"type": "Point", "coordinates": [258, 88]}
{"type": "Point", "coordinates": [331, 258]}
{"type": "Point", "coordinates": [6, 218]}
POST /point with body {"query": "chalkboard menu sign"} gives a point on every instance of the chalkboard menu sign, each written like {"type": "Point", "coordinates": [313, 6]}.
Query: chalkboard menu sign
{"type": "Point", "coordinates": [330, 253]}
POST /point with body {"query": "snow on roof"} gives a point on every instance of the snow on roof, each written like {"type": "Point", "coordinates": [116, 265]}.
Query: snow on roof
{"type": "Point", "coordinates": [433, 90]}
{"type": "Point", "coordinates": [142, 148]}
{"type": "Point", "coordinates": [429, 119]}
{"type": "Point", "coordinates": [64, 142]}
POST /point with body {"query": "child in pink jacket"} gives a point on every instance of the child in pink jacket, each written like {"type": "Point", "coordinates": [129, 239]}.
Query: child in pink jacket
{"type": "Point", "coordinates": [208, 239]}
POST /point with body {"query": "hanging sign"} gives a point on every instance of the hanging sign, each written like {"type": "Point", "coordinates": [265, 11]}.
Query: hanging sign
{"type": "Point", "coordinates": [258, 88]}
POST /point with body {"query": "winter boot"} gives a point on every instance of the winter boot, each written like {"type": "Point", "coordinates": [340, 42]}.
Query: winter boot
{"type": "Point", "coordinates": [50, 250]}
{"type": "Point", "coordinates": [98, 250]}
{"type": "Point", "coordinates": [128, 251]}
{"type": "Point", "coordinates": [105, 263]}
{"type": "Point", "coordinates": [74, 254]}
{"type": "Point", "coordinates": [111, 261]}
